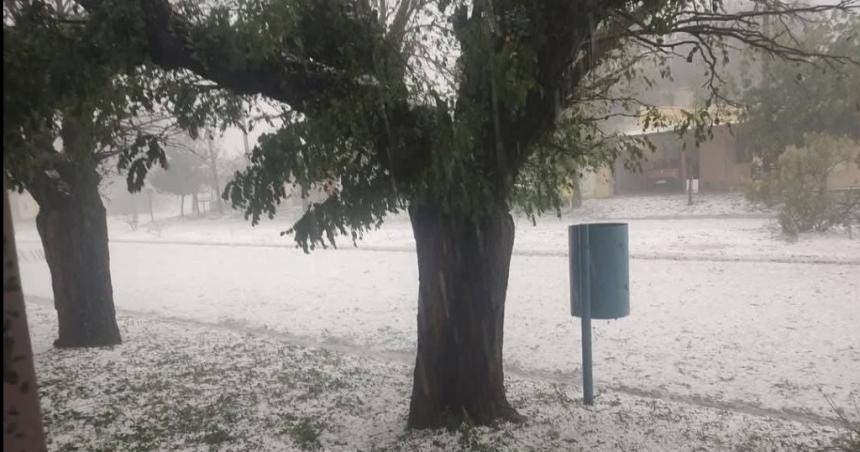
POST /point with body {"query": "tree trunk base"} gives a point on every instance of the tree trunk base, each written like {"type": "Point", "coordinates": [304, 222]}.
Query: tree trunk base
{"type": "Point", "coordinates": [463, 267]}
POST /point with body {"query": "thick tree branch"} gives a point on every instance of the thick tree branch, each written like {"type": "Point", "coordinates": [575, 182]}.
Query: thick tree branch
{"type": "Point", "coordinates": [303, 81]}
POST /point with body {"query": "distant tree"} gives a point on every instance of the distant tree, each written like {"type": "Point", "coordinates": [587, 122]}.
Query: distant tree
{"type": "Point", "coordinates": [74, 104]}
{"type": "Point", "coordinates": [61, 121]}
{"type": "Point", "coordinates": [795, 100]}
{"type": "Point", "coordinates": [212, 156]}
{"type": "Point", "coordinates": [447, 110]}
{"type": "Point", "coordinates": [213, 159]}
{"type": "Point", "coordinates": [184, 176]}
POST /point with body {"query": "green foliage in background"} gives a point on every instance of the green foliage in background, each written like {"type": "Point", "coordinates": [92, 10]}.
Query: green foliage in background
{"type": "Point", "coordinates": [798, 98]}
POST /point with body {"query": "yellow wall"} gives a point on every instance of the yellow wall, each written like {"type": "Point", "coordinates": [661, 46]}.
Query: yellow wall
{"type": "Point", "coordinates": [717, 165]}
{"type": "Point", "coordinates": [844, 177]}
{"type": "Point", "coordinates": [605, 186]}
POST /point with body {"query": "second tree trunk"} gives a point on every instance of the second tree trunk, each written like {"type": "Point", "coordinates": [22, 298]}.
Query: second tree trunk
{"type": "Point", "coordinates": [72, 224]}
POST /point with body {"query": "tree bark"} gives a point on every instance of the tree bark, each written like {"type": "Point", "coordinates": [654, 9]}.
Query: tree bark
{"type": "Point", "coordinates": [463, 269]}
{"type": "Point", "coordinates": [22, 420]}
{"type": "Point", "coordinates": [72, 224]}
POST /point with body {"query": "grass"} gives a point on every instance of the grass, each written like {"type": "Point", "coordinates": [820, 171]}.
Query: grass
{"type": "Point", "coordinates": [849, 440]}
{"type": "Point", "coordinates": [306, 433]}
{"type": "Point", "coordinates": [196, 391]}
{"type": "Point", "coordinates": [174, 386]}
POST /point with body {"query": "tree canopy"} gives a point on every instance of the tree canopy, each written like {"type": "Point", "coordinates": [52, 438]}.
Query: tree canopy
{"type": "Point", "coordinates": [432, 102]}
{"type": "Point", "coordinates": [795, 99]}
{"type": "Point", "coordinates": [73, 96]}
{"type": "Point", "coordinates": [184, 176]}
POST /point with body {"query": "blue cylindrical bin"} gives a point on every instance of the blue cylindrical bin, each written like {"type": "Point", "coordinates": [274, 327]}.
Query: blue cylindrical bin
{"type": "Point", "coordinates": [605, 246]}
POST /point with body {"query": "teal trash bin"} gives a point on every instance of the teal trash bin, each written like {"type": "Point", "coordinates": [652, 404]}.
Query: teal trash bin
{"type": "Point", "coordinates": [599, 283]}
{"type": "Point", "coordinates": [604, 246]}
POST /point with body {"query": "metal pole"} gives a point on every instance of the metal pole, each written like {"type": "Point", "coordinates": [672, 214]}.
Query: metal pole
{"type": "Point", "coordinates": [587, 381]}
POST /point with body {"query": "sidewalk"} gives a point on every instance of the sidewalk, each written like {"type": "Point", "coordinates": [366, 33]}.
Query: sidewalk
{"type": "Point", "coordinates": [720, 228]}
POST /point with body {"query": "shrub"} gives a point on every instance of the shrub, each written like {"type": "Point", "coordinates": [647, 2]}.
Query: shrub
{"type": "Point", "coordinates": [798, 186]}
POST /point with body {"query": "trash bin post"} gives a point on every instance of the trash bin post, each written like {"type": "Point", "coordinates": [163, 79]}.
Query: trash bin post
{"type": "Point", "coordinates": [587, 381]}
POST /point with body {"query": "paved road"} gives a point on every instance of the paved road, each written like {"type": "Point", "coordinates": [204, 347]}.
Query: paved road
{"type": "Point", "coordinates": [36, 253]}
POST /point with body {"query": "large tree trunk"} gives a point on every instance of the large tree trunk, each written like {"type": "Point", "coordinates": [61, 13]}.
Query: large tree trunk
{"type": "Point", "coordinates": [463, 277]}
{"type": "Point", "coordinates": [72, 224]}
